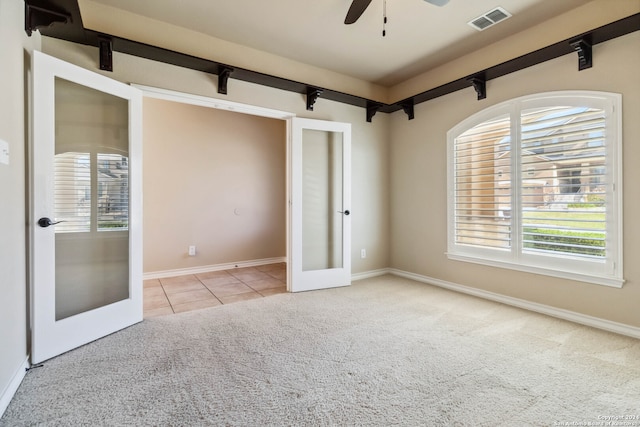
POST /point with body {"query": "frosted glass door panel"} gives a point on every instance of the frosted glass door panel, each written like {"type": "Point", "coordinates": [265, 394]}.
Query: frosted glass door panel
{"type": "Point", "coordinates": [91, 199]}
{"type": "Point", "coordinates": [322, 198]}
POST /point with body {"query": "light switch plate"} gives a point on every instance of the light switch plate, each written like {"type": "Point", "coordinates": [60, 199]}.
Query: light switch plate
{"type": "Point", "coordinates": [4, 152]}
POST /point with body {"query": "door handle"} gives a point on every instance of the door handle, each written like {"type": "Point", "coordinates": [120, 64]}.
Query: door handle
{"type": "Point", "coordinates": [345, 212]}
{"type": "Point", "coordinates": [46, 222]}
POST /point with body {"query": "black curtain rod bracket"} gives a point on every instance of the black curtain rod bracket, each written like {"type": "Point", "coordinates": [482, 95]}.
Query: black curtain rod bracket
{"type": "Point", "coordinates": [42, 16]}
{"type": "Point", "coordinates": [313, 94]}
{"type": "Point", "coordinates": [407, 107]}
{"type": "Point", "coordinates": [372, 109]}
{"type": "Point", "coordinates": [479, 83]}
{"type": "Point", "coordinates": [223, 77]}
{"type": "Point", "coordinates": [106, 53]}
{"type": "Point", "coordinates": [585, 53]}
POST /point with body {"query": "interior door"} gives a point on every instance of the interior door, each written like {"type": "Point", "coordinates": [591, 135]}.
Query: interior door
{"type": "Point", "coordinates": [86, 207]}
{"type": "Point", "coordinates": [320, 205]}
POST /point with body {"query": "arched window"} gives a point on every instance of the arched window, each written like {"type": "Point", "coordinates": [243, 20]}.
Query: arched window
{"type": "Point", "coordinates": [535, 185]}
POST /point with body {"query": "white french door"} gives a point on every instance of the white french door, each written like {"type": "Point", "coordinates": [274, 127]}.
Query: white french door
{"type": "Point", "coordinates": [320, 204]}
{"type": "Point", "coordinates": [86, 207]}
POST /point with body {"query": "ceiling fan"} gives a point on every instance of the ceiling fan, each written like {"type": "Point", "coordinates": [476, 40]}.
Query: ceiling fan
{"type": "Point", "coordinates": [359, 6]}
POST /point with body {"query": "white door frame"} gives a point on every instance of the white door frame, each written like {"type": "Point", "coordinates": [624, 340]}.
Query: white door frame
{"type": "Point", "coordinates": [236, 107]}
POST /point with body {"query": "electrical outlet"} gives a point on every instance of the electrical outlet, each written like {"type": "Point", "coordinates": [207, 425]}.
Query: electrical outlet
{"type": "Point", "coordinates": [192, 251]}
{"type": "Point", "coordinates": [363, 253]}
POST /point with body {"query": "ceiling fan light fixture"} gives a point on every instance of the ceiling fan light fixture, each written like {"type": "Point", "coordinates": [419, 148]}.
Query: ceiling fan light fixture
{"type": "Point", "coordinates": [358, 7]}
{"type": "Point", "coordinates": [437, 2]}
{"type": "Point", "coordinates": [489, 19]}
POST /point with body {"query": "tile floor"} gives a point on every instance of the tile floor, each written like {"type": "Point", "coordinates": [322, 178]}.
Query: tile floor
{"type": "Point", "coordinates": [194, 291]}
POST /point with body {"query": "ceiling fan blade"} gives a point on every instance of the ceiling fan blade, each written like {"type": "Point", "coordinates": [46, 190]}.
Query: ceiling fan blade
{"type": "Point", "coordinates": [437, 2]}
{"type": "Point", "coordinates": [356, 10]}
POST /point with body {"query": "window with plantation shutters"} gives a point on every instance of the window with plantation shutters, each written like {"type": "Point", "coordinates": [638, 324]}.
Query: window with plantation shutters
{"type": "Point", "coordinates": [91, 192]}
{"type": "Point", "coordinates": [534, 185]}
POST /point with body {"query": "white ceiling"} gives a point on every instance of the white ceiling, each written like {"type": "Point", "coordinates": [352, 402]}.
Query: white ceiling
{"type": "Point", "coordinates": [419, 37]}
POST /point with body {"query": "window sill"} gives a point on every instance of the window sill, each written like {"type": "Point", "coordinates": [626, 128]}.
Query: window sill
{"type": "Point", "coordinates": [586, 278]}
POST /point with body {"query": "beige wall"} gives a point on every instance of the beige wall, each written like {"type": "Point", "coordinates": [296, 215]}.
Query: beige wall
{"type": "Point", "coordinates": [213, 179]}
{"type": "Point", "coordinates": [419, 189]}
{"type": "Point", "coordinates": [594, 14]}
{"type": "Point", "coordinates": [14, 59]}
{"type": "Point", "coordinates": [131, 26]}
{"type": "Point", "coordinates": [370, 141]}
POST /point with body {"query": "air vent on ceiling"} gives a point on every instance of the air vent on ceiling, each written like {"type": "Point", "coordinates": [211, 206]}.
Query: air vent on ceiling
{"type": "Point", "coordinates": [489, 19]}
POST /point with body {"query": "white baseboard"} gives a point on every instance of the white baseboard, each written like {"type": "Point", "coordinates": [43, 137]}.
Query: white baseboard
{"type": "Point", "coordinates": [583, 319]}
{"type": "Point", "coordinates": [13, 385]}
{"type": "Point", "coordinates": [214, 267]}
{"type": "Point", "coordinates": [241, 264]}
{"type": "Point", "coordinates": [369, 274]}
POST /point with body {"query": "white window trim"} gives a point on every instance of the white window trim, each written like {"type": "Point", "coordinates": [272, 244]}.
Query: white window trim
{"type": "Point", "coordinates": [554, 265]}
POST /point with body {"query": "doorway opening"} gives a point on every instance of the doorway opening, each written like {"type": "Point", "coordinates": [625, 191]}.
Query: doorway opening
{"type": "Point", "coordinates": [215, 201]}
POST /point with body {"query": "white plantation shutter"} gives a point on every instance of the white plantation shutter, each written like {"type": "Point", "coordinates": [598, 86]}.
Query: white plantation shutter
{"type": "Point", "coordinates": [482, 185]}
{"type": "Point", "coordinates": [91, 192]}
{"type": "Point", "coordinates": [534, 185]}
{"type": "Point", "coordinates": [564, 177]}
{"type": "Point", "coordinates": [72, 192]}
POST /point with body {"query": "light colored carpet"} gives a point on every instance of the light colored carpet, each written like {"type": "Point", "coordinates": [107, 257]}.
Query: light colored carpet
{"type": "Point", "coordinates": [385, 351]}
